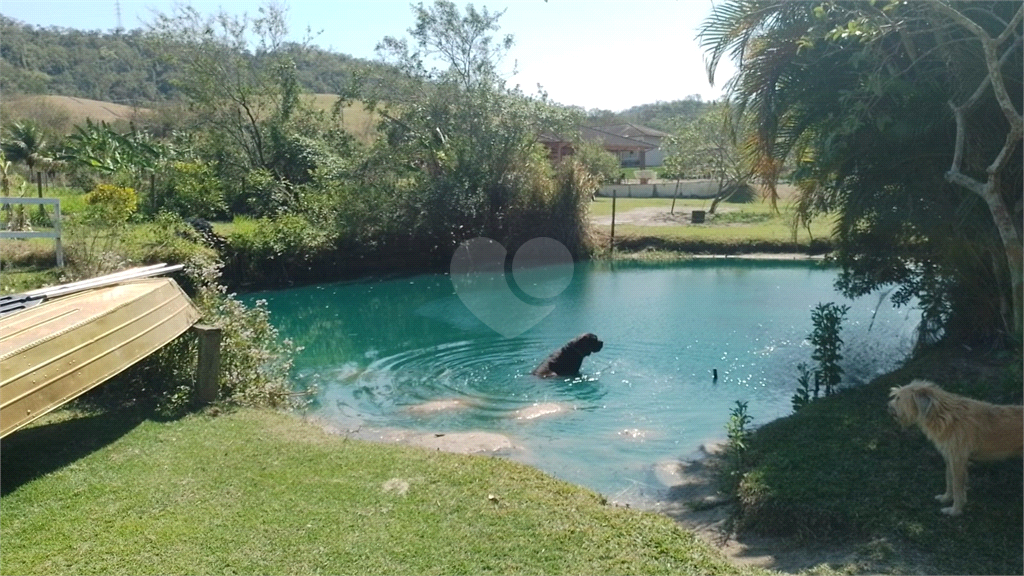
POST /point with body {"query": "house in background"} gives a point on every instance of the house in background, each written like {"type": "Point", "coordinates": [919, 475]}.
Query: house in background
{"type": "Point", "coordinates": [653, 157]}
{"type": "Point", "coordinates": [634, 146]}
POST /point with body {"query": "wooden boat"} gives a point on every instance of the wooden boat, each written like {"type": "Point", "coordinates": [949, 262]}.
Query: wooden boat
{"type": "Point", "coordinates": [55, 351]}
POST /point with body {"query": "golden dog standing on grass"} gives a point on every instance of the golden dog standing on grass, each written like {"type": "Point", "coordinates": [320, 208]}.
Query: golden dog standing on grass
{"type": "Point", "coordinates": [961, 428]}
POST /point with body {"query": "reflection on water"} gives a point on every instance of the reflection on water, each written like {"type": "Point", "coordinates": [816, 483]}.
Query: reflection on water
{"type": "Point", "coordinates": [378, 349]}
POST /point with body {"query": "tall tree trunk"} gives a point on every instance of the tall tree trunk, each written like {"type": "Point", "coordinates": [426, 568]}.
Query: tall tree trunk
{"type": "Point", "coordinates": [991, 190]}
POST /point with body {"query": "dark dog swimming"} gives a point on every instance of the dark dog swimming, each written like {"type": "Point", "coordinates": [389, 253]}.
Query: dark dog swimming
{"type": "Point", "coordinates": [566, 361]}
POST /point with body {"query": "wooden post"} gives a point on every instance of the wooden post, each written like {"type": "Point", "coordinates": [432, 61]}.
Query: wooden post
{"type": "Point", "coordinates": [611, 243]}
{"type": "Point", "coordinates": [208, 369]}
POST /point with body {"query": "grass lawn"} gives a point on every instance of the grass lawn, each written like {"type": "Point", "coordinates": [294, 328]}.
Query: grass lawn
{"type": "Point", "coordinates": [842, 470]}
{"type": "Point", "coordinates": [258, 492]}
{"type": "Point", "coordinates": [737, 228]}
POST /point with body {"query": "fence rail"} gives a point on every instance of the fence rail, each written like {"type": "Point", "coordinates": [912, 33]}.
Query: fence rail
{"type": "Point", "coordinates": [55, 233]}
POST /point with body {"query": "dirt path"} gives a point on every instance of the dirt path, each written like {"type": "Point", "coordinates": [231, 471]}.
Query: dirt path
{"type": "Point", "coordinates": [653, 216]}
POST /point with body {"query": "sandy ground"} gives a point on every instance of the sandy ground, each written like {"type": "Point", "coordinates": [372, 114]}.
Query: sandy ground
{"type": "Point", "coordinates": [653, 216]}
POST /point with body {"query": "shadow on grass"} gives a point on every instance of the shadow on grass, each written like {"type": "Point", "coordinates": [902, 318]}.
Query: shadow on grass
{"type": "Point", "coordinates": [843, 471]}
{"type": "Point", "coordinates": [38, 450]}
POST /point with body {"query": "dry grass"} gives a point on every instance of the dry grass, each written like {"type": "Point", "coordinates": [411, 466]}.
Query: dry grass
{"type": "Point", "coordinates": [60, 113]}
{"type": "Point", "coordinates": [355, 118]}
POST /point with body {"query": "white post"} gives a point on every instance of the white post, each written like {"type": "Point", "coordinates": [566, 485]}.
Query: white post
{"type": "Point", "coordinates": [56, 230]}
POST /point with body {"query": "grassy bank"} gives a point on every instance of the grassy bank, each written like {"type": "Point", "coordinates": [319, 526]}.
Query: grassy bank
{"type": "Point", "coordinates": [841, 470]}
{"type": "Point", "coordinates": [736, 229]}
{"type": "Point", "coordinates": [257, 492]}
{"type": "Point", "coordinates": [254, 257]}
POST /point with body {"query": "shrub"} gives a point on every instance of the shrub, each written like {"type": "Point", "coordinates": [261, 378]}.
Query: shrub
{"type": "Point", "coordinates": [567, 221]}
{"type": "Point", "coordinates": [738, 435]}
{"type": "Point", "coordinates": [602, 164]}
{"type": "Point", "coordinates": [277, 250]}
{"type": "Point", "coordinates": [191, 189]}
{"type": "Point", "coordinates": [260, 194]}
{"type": "Point", "coordinates": [110, 205]}
{"type": "Point", "coordinates": [255, 362]}
{"type": "Point", "coordinates": [828, 345]}
{"type": "Point", "coordinates": [97, 235]}
{"type": "Point", "coordinates": [803, 390]}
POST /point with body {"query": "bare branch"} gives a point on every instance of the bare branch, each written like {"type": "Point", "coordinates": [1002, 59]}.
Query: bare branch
{"type": "Point", "coordinates": [985, 81]}
{"type": "Point", "coordinates": [958, 151]}
{"type": "Point", "coordinates": [956, 177]}
{"type": "Point", "coordinates": [992, 60]}
{"type": "Point", "coordinates": [1011, 27]}
{"type": "Point", "coordinates": [1012, 137]}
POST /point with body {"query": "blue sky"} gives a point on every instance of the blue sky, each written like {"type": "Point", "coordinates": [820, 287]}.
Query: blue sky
{"type": "Point", "coordinates": [591, 53]}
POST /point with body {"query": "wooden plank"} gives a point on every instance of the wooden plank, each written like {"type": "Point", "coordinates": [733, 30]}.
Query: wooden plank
{"type": "Point", "coordinates": [25, 234]}
{"type": "Point", "coordinates": [19, 200]}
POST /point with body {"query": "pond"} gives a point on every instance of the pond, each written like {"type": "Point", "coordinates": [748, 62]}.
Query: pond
{"type": "Point", "coordinates": [378, 349]}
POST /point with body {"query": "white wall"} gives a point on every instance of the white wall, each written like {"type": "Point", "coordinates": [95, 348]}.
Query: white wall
{"type": "Point", "coordinates": [655, 157]}
{"type": "Point", "coordinates": [687, 189]}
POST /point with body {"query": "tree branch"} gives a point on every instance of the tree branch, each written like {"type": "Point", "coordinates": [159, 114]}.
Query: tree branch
{"type": "Point", "coordinates": [958, 150]}
{"type": "Point", "coordinates": [992, 60]}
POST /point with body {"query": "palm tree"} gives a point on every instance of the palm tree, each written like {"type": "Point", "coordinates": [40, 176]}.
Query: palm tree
{"type": "Point", "coordinates": [873, 102]}
{"type": "Point", "coordinates": [25, 142]}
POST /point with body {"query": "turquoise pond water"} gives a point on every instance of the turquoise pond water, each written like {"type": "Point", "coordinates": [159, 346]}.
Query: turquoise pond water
{"type": "Point", "coordinates": [377, 348]}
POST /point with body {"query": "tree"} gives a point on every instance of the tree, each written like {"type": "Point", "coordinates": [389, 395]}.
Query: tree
{"type": "Point", "coordinates": [239, 77]}
{"type": "Point", "coordinates": [25, 143]}
{"type": "Point", "coordinates": [468, 145]}
{"type": "Point", "coordinates": [903, 119]}
{"type": "Point", "coordinates": [997, 50]}
{"type": "Point", "coordinates": [705, 145]}
{"type": "Point", "coordinates": [463, 44]}
{"type": "Point", "coordinates": [601, 163]}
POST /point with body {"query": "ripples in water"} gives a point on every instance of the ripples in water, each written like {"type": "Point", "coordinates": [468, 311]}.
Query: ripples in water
{"type": "Point", "coordinates": [406, 353]}
{"type": "Point", "coordinates": [475, 374]}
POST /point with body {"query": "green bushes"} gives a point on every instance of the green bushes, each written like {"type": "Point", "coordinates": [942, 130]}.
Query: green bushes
{"type": "Point", "coordinates": [604, 165]}
{"type": "Point", "coordinates": [191, 189]}
{"type": "Point", "coordinates": [828, 353]}
{"type": "Point", "coordinates": [273, 251]}
{"type": "Point", "coordinates": [255, 362]}
{"type": "Point", "coordinates": [738, 434]}
{"type": "Point", "coordinates": [98, 235]}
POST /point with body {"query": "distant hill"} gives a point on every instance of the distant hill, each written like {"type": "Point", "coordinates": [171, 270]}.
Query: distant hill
{"type": "Point", "coordinates": [662, 116]}
{"type": "Point", "coordinates": [76, 109]}
{"type": "Point", "coordinates": [59, 114]}
{"type": "Point", "coordinates": [124, 67]}
{"type": "Point", "coordinates": [112, 76]}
